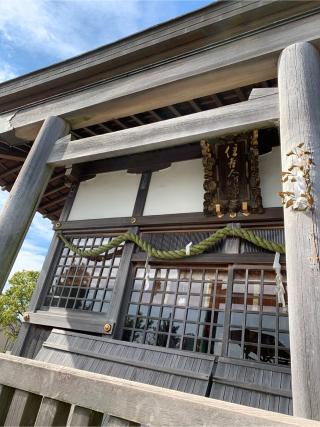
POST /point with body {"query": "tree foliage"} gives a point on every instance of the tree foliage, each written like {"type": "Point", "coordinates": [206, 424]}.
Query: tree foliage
{"type": "Point", "coordinates": [15, 301]}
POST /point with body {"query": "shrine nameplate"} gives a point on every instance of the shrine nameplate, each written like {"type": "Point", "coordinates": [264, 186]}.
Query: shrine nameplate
{"type": "Point", "coordinates": [231, 176]}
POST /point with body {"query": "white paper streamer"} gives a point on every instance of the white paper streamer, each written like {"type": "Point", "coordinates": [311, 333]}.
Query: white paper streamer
{"type": "Point", "coordinates": [279, 285]}
{"type": "Point", "coordinates": [188, 248]}
{"type": "Point", "coordinates": [300, 188]}
{"type": "Point", "coordinates": [147, 275]}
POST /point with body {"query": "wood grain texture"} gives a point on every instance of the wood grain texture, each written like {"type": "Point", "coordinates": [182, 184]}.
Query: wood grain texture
{"type": "Point", "coordinates": [253, 384]}
{"type": "Point", "coordinates": [162, 38]}
{"type": "Point", "coordinates": [226, 66]}
{"type": "Point", "coordinates": [129, 400]}
{"type": "Point", "coordinates": [168, 133]}
{"type": "Point", "coordinates": [72, 319]}
{"type": "Point", "coordinates": [23, 409]}
{"type": "Point", "coordinates": [19, 210]}
{"type": "Point", "coordinates": [81, 416]}
{"type": "Point", "coordinates": [117, 422]}
{"type": "Point", "coordinates": [299, 97]}
{"type": "Point", "coordinates": [6, 394]}
{"type": "Point", "coordinates": [169, 368]}
{"type": "Point", "coordinates": [185, 220]}
{"type": "Point", "coordinates": [52, 413]}
{"type": "Point", "coordinates": [262, 92]}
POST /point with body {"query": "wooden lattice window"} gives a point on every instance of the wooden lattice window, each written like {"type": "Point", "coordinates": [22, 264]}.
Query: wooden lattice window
{"type": "Point", "coordinates": [180, 308]}
{"type": "Point", "coordinates": [84, 284]}
{"type": "Point", "coordinates": [231, 311]}
{"type": "Point", "coordinates": [258, 324]}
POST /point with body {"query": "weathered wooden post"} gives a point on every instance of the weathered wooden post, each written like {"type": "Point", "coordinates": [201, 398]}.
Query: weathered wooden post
{"type": "Point", "coordinates": [299, 97]}
{"type": "Point", "coordinates": [26, 193]}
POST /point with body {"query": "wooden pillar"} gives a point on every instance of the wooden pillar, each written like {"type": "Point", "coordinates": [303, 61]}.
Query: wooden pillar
{"type": "Point", "coordinates": [299, 98]}
{"type": "Point", "coordinates": [19, 210]}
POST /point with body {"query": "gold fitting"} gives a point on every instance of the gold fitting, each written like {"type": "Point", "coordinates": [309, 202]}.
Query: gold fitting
{"type": "Point", "coordinates": [245, 210]}
{"type": "Point", "coordinates": [133, 220]}
{"type": "Point", "coordinates": [107, 328]}
{"type": "Point", "coordinates": [218, 211]}
{"type": "Point", "coordinates": [58, 224]}
{"type": "Point", "coordinates": [232, 214]}
{"type": "Point", "coordinates": [26, 317]}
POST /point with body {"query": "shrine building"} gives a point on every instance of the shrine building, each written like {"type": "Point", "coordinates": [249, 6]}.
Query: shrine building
{"type": "Point", "coordinates": [180, 168]}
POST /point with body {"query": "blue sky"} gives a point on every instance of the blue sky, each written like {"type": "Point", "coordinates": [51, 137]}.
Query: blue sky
{"type": "Point", "coordinates": [38, 33]}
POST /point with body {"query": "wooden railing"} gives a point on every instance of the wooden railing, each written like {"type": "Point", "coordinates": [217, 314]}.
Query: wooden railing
{"type": "Point", "coordinates": [34, 393]}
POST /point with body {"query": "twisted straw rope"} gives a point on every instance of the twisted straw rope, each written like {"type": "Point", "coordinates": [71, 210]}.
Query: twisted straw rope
{"type": "Point", "coordinates": [196, 249]}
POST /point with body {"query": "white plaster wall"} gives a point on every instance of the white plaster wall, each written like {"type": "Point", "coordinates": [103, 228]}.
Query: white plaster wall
{"type": "Point", "coordinates": [108, 195]}
{"type": "Point", "coordinates": [178, 189]}
{"type": "Point", "coordinates": [270, 176]}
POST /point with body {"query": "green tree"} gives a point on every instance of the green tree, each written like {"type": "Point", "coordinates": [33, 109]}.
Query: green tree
{"type": "Point", "coordinates": [15, 301]}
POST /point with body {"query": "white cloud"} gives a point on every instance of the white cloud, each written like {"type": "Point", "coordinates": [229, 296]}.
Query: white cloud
{"type": "Point", "coordinates": [54, 30]}
{"type": "Point", "coordinates": [31, 24]}
{"type": "Point", "coordinates": [41, 228]}
{"type": "Point", "coordinates": [6, 72]}
{"type": "Point", "coordinates": [33, 251]}
{"type": "Point", "coordinates": [27, 260]}
{"type": "Point", "coordinates": [61, 29]}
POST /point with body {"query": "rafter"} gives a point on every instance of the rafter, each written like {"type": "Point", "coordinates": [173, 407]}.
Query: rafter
{"type": "Point", "coordinates": [233, 118]}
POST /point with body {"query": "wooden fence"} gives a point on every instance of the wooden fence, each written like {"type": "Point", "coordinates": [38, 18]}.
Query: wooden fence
{"type": "Point", "coordinates": [34, 393]}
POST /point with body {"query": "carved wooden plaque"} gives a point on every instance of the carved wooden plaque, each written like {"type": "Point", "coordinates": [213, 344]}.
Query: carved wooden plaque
{"type": "Point", "coordinates": [231, 176]}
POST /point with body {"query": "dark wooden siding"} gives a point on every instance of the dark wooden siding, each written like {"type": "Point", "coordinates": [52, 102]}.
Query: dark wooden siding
{"type": "Point", "coordinates": [244, 382]}
{"type": "Point", "coordinates": [253, 384]}
{"type": "Point", "coordinates": [37, 334]}
{"type": "Point", "coordinates": [176, 240]}
{"type": "Point", "coordinates": [150, 365]}
{"type": "Point", "coordinates": [170, 241]}
{"type": "Point", "coordinates": [275, 234]}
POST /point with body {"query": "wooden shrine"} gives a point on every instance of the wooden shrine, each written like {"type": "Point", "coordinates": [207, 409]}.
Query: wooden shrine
{"type": "Point", "coordinates": [179, 167]}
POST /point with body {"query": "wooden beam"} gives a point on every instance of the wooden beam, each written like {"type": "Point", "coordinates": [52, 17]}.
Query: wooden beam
{"type": "Point", "coordinates": [120, 124]}
{"type": "Point", "coordinates": [104, 127]}
{"type": "Point", "coordinates": [53, 202]}
{"type": "Point", "coordinates": [262, 92]}
{"type": "Point", "coordinates": [143, 161]}
{"type": "Point", "coordinates": [89, 131]}
{"type": "Point", "coordinates": [154, 44]}
{"type": "Point", "coordinates": [240, 94]}
{"type": "Point", "coordinates": [195, 106]}
{"type": "Point", "coordinates": [12, 155]}
{"type": "Point", "coordinates": [299, 97]}
{"type": "Point", "coordinates": [18, 212]}
{"type": "Point", "coordinates": [174, 111]}
{"type": "Point", "coordinates": [10, 171]}
{"type": "Point", "coordinates": [244, 60]}
{"type": "Point", "coordinates": [58, 176]}
{"type": "Point", "coordinates": [171, 36]}
{"type": "Point", "coordinates": [168, 133]}
{"type": "Point", "coordinates": [155, 115]}
{"type": "Point", "coordinates": [137, 120]}
{"type": "Point", "coordinates": [53, 213]}
{"type": "Point", "coordinates": [54, 190]}
{"type": "Point", "coordinates": [271, 216]}
{"type": "Point", "coordinates": [216, 100]}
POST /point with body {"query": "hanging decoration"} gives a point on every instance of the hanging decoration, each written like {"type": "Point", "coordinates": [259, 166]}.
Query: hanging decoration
{"type": "Point", "coordinates": [147, 275]}
{"type": "Point", "coordinates": [299, 197]}
{"type": "Point", "coordinates": [231, 176]}
{"type": "Point", "coordinates": [193, 250]}
{"type": "Point", "coordinates": [279, 283]}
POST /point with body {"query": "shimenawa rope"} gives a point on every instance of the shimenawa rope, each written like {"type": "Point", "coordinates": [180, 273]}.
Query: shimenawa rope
{"type": "Point", "coordinates": [196, 249]}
